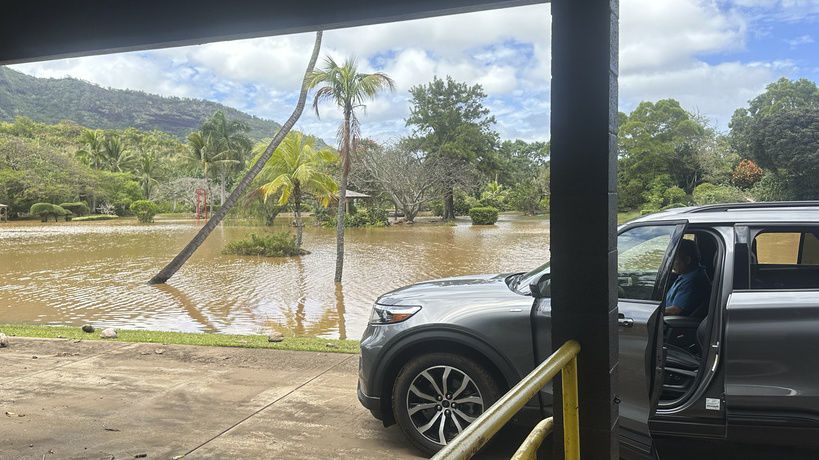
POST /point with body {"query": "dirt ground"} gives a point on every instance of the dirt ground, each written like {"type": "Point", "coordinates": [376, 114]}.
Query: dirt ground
{"type": "Point", "coordinates": [61, 399]}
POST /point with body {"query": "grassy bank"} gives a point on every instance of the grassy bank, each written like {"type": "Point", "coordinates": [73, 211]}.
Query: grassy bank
{"type": "Point", "coordinates": [184, 338]}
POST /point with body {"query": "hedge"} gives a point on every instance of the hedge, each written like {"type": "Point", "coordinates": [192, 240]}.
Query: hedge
{"type": "Point", "coordinates": [483, 215]}
{"type": "Point", "coordinates": [47, 210]}
{"type": "Point", "coordinates": [78, 208]}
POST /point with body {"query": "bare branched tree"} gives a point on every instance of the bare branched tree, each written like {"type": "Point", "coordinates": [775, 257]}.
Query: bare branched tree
{"type": "Point", "coordinates": [405, 175]}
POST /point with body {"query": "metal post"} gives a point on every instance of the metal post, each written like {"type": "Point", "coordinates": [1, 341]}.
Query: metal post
{"type": "Point", "coordinates": [583, 212]}
{"type": "Point", "coordinates": [571, 423]}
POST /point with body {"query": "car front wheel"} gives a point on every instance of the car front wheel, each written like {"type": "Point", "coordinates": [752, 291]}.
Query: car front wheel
{"type": "Point", "coordinates": [436, 396]}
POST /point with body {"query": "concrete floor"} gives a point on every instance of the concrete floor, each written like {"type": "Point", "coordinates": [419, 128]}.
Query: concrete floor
{"type": "Point", "coordinates": [61, 399]}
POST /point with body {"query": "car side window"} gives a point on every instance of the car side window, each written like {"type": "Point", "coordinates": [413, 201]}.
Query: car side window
{"type": "Point", "coordinates": [785, 259]}
{"type": "Point", "coordinates": [641, 251]}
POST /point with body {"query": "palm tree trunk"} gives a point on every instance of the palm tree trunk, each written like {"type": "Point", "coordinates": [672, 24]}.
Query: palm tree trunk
{"type": "Point", "coordinates": [342, 196]}
{"type": "Point", "coordinates": [166, 273]}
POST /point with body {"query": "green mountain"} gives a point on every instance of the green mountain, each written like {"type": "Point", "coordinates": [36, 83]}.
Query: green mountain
{"type": "Point", "coordinates": [50, 100]}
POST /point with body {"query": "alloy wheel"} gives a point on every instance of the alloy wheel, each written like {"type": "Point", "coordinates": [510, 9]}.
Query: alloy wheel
{"type": "Point", "coordinates": [442, 401]}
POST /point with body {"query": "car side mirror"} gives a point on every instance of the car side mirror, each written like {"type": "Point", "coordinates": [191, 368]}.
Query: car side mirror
{"type": "Point", "coordinates": [542, 287]}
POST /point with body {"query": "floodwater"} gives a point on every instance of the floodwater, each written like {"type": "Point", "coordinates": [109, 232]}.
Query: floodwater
{"type": "Point", "coordinates": [72, 273]}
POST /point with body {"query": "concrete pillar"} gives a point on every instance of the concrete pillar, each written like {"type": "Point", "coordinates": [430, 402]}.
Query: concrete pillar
{"type": "Point", "coordinates": [583, 209]}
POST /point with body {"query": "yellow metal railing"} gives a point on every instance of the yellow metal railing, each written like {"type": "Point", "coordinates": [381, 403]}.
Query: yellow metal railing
{"type": "Point", "coordinates": [479, 432]}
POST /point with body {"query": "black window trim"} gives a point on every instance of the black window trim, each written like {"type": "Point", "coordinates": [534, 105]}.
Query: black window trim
{"type": "Point", "coordinates": [665, 266]}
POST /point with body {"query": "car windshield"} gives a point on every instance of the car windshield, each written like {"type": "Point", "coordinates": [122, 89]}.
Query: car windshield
{"type": "Point", "coordinates": [521, 282]}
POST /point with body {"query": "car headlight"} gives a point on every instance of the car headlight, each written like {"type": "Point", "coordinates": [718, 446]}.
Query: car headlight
{"type": "Point", "coordinates": [391, 314]}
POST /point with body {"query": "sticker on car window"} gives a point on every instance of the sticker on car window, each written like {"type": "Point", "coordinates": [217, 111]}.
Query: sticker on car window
{"type": "Point", "coordinates": [712, 403]}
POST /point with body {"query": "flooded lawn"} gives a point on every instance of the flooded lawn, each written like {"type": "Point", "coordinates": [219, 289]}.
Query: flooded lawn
{"type": "Point", "coordinates": [96, 272]}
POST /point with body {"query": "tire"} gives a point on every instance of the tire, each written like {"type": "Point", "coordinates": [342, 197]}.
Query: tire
{"type": "Point", "coordinates": [419, 406]}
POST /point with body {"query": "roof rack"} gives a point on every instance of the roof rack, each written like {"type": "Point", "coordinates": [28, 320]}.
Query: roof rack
{"type": "Point", "coordinates": [755, 205]}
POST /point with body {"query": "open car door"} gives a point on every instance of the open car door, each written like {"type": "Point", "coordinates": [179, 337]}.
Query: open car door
{"type": "Point", "coordinates": [645, 256]}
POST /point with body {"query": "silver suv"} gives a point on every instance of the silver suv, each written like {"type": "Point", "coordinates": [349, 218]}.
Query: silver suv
{"type": "Point", "coordinates": [742, 368]}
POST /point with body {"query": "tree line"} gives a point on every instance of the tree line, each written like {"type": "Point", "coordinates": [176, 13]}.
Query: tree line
{"type": "Point", "coordinates": [451, 159]}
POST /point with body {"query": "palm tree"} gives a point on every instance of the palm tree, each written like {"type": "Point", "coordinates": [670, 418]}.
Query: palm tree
{"type": "Point", "coordinates": [296, 168]}
{"type": "Point", "coordinates": [347, 88]}
{"type": "Point", "coordinates": [91, 153]}
{"type": "Point", "coordinates": [203, 153]}
{"type": "Point", "coordinates": [147, 171]}
{"type": "Point", "coordinates": [232, 144]}
{"type": "Point", "coordinates": [185, 254]}
{"type": "Point", "coordinates": [116, 156]}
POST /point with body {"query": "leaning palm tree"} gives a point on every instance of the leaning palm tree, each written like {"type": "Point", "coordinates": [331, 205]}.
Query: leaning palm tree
{"type": "Point", "coordinates": [296, 169]}
{"type": "Point", "coordinates": [347, 88]}
{"type": "Point", "coordinates": [251, 174]}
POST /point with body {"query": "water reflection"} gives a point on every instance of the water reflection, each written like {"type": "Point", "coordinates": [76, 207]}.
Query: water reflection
{"type": "Point", "coordinates": [187, 304]}
{"type": "Point", "coordinates": [72, 273]}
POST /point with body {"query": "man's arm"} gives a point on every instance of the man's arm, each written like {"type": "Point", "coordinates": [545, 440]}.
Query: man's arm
{"type": "Point", "coordinates": [672, 310]}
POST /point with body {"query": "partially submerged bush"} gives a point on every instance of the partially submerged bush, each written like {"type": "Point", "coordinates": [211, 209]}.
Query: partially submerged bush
{"type": "Point", "coordinates": [484, 215]}
{"type": "Point", "coordinates": [278, 244]}
{"type": "Point", "coordinates": [370, 217]}
{"type": "Point", "coordinates": [144, 210]}
{"type": "Point", "coordinates": [94, 217]}
{"type": "Point", "coordinates": [47, 210]}
{"type": "Point", "coordinates": [80, 208]}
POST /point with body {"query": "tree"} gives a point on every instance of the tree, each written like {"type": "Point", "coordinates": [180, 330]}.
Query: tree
{"type": "Point", "coordinates": [91, 153]}
{"type": "Point", "coordinates": [783, 94]}
{"type": "Point", "coordinates": [347, 88]}
{"type": "Point", "coordinates": [169, 270]}
{"type": "Point", "coordinates": [405, 175]}
{"type": "Point", "coordinates": [147, 171]}
{"type": "Point", "coordinates": [230, 144]}
{"type": "Point", "coordinates": [778, 131]}
{"type": "Point", "coordinates": [116, 157]}
{"type": "Point", "coordinates": [656, 139]}
{"type": "Point", "coordinates": [295, 169]}
{"type": "Point", "coordinates": [788, 142]}
{"type": "Point", "coordinates": [453, 126]}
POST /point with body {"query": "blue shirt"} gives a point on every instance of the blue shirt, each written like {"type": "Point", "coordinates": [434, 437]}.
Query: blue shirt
{"type": "Point", "coordinates": [689, 291]}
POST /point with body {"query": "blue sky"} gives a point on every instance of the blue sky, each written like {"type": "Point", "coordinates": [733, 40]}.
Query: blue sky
{"type": "Point", "coordinates": [712, 55]}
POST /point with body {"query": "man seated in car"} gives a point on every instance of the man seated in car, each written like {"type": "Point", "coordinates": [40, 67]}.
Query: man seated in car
{"type": "Point", "coordinates": [691, 288]}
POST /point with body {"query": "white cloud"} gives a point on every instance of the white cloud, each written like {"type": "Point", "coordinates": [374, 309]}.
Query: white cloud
{"type": "Point", "coordinates": [687, 49]}
{"type": "Point", "coordinates": [800, 40]}
{"type": "Point", "coordinates": [712, 90]}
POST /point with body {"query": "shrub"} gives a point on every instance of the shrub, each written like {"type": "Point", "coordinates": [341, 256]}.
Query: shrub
{"type": "Point", "coordinates": [746, 174]}
{"type": "Point", "coordinates": [278, 244]}
{"type": "Point", "coordinates": [80, 208]}
{"type": "Point", "coordinates": [144, 210]}
{"type": "Point", "coordinates": [706, 193]}
{"type": "Point", "coordinates": [675, 195]}
{"type": "Point", "coordinates": [47, 210]}
{"type": "Point", "coordinates": [772, 187]}
{"type": "Point", "coordinates": [94, 217]}
{"type": "Point", "coordinates": [370, 217]}
{"type": "Point", "coordinates": [483, 215]}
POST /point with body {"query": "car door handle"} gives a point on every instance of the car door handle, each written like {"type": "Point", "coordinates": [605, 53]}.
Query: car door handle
{"type": "Point", "coordinates": [622, 321]}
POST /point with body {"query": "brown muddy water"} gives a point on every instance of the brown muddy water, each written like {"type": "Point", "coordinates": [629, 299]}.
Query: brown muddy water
{"type": "Point", "coordinates": [74, 273]}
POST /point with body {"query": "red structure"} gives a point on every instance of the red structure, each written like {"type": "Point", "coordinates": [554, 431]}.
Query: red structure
{"type": "Point", "coordinates": [201, 204]}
